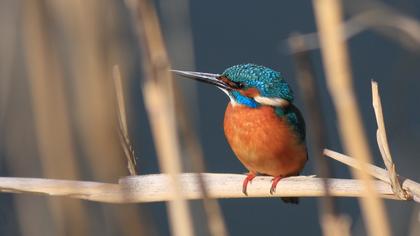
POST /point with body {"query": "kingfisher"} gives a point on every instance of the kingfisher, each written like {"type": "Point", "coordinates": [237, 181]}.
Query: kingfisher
{"type": "Point", "coordinates": [263, 127]}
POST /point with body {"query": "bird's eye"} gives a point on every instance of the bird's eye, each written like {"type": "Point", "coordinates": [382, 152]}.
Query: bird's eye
{"type": "Point", "coordinates": [240, 85]}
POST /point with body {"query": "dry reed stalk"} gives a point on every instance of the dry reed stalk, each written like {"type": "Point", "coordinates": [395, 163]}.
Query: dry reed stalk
{"type": "Point", "coordinates": [384, 20]}
{"type": "Point", "coordinates": [90, 83]}
{"type": "Point", "coordinates": [88, 31]}
{"type": "Point", "coordinates": [125, 219]}
{"type": "Point", "coordinates": [21, 158]}
{"type": "Point", "coordinates": [157, 187]}
{"type": "Point", "coordinates": [411, 187]}
{"type": "Point", "coordinates": [122, 121]}
{"type": "Point", "coordinates": [383, 143]}
{"type": "Point", "coordinates": [175, 17]}
{"type": "Point", "coordinates": [159, 100]}
{"type": "Point", "coordinates": [332, 223]}
{"type": "Point", "coordinates": [19, 151]}
{"type": "Point", "coordinates": [50, 108]}
{"type": "Point", "coordinates": [414, 228]}
{"type": "Point", "coordinates": [212, 209]}
{"type": "Point", "coordinates": [334, 51]}
{"type": "Point", "coordinates": [8, 47]}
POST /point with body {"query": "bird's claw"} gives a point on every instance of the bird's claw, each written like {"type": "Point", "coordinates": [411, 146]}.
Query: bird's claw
{"type": "Point", "coordinates": [275, 181]}
{"type": "Point", "coordinates": [247, 180]}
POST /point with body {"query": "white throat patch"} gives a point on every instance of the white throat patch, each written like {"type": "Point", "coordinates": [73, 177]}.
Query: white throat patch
{"type": "Point", "coordinates": [232, 100]}
{"type": "Point", "coordinates": [277, 102]}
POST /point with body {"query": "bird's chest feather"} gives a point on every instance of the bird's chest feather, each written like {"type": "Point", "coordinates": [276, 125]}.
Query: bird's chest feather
{"type": "Point", "coordinates": [263, 141]}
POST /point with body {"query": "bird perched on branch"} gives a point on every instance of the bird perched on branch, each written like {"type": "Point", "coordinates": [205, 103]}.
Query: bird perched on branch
{"type": "Point", "coordinates": [263, 127]}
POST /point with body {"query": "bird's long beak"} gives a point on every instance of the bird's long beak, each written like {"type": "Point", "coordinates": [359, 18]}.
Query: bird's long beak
{"type": "Point", "coordinates": [204, 77]}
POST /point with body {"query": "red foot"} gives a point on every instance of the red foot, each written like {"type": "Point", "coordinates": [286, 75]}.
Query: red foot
{"type": "Point", "coordinates": [247, 180]}
{"type": "Point", "coordinates": [275, 181]}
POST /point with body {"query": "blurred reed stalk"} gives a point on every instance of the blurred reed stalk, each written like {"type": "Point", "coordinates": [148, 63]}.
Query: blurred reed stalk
{"type": "Point", "coordinates": [193, 149]}
{"type": "Point", "coordinates": [415, 220]}
{"type": "Point", "coordinates": [69, 76]}
{"type": "Point", "coordinates": [386, 19]}
{"type": "Point", "coordinates": [159, 98]}
{"type": "Point", "coordinates": [20, 154]}
{"type": "Point", "coordinates": [380, 18]}
{"type": "Point", "coordinates": [332, 223]}
{"type": "Point", "coordinates": [51, 115]}
{"type": "Point", "coordinates": [90, 51]}
{"type": "Point", "coordinates": [9, 24]}
{"type": "Point", "coordinates": [328, 14]}
{"type": "Point", "coordinates": [175, 15]}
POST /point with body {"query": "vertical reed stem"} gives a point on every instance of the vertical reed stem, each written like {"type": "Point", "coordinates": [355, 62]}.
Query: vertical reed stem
{"type": "Point", "coordinates": [336, 64]}
{"type": "Point", "coordinates": [332, 223]}
{"type": "Point", "coordinates": [159, 100]}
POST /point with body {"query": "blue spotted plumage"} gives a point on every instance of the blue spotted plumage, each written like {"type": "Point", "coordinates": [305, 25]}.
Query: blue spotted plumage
{"type": "Point", "coordinates": [269, 82]}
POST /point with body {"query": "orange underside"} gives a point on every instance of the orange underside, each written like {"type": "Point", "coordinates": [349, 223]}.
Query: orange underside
{"type": "Point", "coordinates": [263, 142]}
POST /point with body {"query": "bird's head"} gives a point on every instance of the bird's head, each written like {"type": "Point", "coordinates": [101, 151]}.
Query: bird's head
{"type": "Point", "coordinates": [248, 84]}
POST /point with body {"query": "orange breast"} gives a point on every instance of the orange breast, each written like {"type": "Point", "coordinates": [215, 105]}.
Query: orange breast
{"type": "Point", "coordinates": [262, 141]}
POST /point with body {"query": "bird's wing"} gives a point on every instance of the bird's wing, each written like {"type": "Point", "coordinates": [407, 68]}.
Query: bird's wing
{"type": "Point", "coordinates": [295, 118]}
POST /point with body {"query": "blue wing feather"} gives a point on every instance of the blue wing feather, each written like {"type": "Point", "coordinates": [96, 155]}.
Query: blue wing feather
{"type": "Point", "coordinates": [295, 118]}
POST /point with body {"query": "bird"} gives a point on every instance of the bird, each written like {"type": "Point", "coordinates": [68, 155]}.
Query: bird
{"type": "Point", "coordinates": [263, 127]}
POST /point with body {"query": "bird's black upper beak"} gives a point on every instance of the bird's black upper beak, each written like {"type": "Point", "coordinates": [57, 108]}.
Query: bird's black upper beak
{"type": "Point", "coordinates": [209, 78]}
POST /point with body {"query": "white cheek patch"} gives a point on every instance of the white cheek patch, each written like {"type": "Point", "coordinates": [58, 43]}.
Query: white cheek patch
{"type": "Point", "coordinates": [277, 102]}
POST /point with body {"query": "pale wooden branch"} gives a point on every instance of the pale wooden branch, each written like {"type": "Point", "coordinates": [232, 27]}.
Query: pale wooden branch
{"type": "Point", "coordinates": [410, 186]}
{"type": "Point", "coordinates": [156, 187]}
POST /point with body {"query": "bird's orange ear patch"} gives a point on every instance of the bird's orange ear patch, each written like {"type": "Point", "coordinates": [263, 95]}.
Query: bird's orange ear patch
{"type": "Point", "coordinates": [250, 92]}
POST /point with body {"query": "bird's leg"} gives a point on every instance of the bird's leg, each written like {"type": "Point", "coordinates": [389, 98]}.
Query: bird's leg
{"type": "Point", "coordinates": [250, 176]}
{"type": "Point", "coordinates": [275, 181]}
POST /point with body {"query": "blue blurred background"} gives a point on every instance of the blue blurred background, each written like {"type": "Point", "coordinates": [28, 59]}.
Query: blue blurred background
{"type": "Point", "coordinates": [209, 36]}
